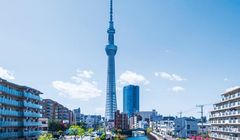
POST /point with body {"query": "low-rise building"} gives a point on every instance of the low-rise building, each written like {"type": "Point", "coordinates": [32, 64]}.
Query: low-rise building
{"type": "Point", "coordinates": [186, 127]}
{"type": "Point", "coordinates": [149, 115]}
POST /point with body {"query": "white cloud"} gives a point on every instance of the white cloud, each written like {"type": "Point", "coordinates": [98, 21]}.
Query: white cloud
{"type": "Point", "coordinates": [6, 74]}
{"type": "Point", "coordinates": [178, 89]}
{"type": "Point", "coordinates": [83, 74]}
{"type": "Point", "coordinates": [80, 88]}
{"type": "Point", "coordinates": [167, 76]}
{"type": "Point", "coordinates": [129, 77]}
{"type": "Point", "coordinates": [232, 88]}
{"type": "Point", "coordinates": [226, 79]}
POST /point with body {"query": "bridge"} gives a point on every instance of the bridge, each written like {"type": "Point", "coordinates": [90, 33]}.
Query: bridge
{"type": "Point", "coordinates": [139, 130]}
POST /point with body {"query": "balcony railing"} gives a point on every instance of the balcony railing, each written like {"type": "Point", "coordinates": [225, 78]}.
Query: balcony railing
{"type": "Point", "coordinates": [225, 137]}
{"type": "Point", "coordinates": [226, 122]}
{"type": "Point", "coordinates": [10, 134]}
{"type": "Point", "coordinates": [31, 133]}
{"type": "Point", "coordinates": [225, 114]}
{"type": "Point", "coordinates": [29, 95]}
{"type": "Point", "coordinates": [8, 123]}
{"type": "Point", "coordinates": [237, 104]}
{"type": "Point", "coordinates": [32, 123]}
{"type": "Point", "coordinates": [10, 102]}
{"type": "Point", "coordinates": [28, 104]}
{"type": "Point", "coordinates": [10, 91]}
{"type": "Point", "coordinates": [229, 130]}
{"type": "Point", "coordinates": [10, 113]}
{"type": "Point", "coordinates": [32, 114]}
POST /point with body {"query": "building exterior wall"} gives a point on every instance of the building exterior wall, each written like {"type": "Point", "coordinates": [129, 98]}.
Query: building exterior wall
{"type": "Point", "coordinates": [57, 112]}
{"type": "Point", "coordinates": [44, 127]}
{"type": "Point", "coordinates": [225, 117]}
{"type": "Point", "coordinates": [148, 115]}
{"type": "Point", "coordinates": [186, 127]}
{"type": "Point", "coordinates": [121, 121]}
{"type": "Point", "coordinates": [19, 111]}
{"type": "Point", "coordinates": [77, 115]}
{"type": "Point", "coordinates": [130, 100]}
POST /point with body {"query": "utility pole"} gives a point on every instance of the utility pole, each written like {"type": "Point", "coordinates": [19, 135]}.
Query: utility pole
{"type": "Point", "coordinates": [201, 107]}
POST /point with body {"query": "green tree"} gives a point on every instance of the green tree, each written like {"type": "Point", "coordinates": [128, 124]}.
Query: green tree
{"type": "Point", "coordinates": [90, 131]}
{"type": "Point", "coordinates": [56, 126]}
{"type": "Point", "coordinates": [103, 136]}
{"type": "Point", "coordinates": [46, 136]}
{"type": "Point", "coordinates": [82, 125]}
{"type": "Point", "coordinates": [77, 131]}
{"type": "Point", "coordinates": [149, 130]}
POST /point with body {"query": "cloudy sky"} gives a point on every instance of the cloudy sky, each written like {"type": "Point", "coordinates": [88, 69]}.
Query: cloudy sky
{"type": "Point", "coordinates": [181, 53]}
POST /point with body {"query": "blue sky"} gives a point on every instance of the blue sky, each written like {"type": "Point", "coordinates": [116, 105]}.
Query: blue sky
{"type": "Point", "coordinates": [181, 52]}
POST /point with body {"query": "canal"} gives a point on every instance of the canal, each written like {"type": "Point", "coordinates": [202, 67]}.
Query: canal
{"type": "Point", "coordinates": [138, 138]}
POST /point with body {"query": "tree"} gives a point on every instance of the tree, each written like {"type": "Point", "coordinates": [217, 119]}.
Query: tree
{"type": "Point", "coordinates": [56, 126]}
{"type": "Point", "coordinates": [103, 136]}
{"type": "Point", "coordinates": [77, 131]}
{"type": "Point", "coordinates": [82, 125]}
{"type": "Point", "coordinates": [149, 130]}
{"type": "Point", "coordinates": [46, 136]}
{"type": "Point", "coordinates": [90, 131]}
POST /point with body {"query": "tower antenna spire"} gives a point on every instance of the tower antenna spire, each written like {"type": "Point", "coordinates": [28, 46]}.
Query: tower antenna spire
{"type": "Point", "coordinates": [111, 10]}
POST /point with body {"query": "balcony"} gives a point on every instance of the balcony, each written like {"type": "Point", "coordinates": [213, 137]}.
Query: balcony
{"type": "Point", "coordinates": [10, 102]}
{"type": "Point", "coordinates": [228, 114]}
{"type": "Point", "coordinates": [31, 133]}
{"type": "Point", "coordinates": [10, 134]}
{"type": "Point", "coordinates": [10, 91]}
{"type": "Point", "coordinates": [30, 95]}
{"type": "Point", "coordinates": [227, 130]}
{"type": "Point", "coordinates": [32, 114]}
{"type": "Point", "coordinates": [223, 137]}
{"type": "Point", "coordinates": [8, 123]}
{"type": "Point", "coordinates": [31, 105]}
{"type": "Point", "coordinates": [32, 123]}
{"type": "Point", "coordinates": [226, 107]}
{"type": "Point", "coordinates": [10, 113]}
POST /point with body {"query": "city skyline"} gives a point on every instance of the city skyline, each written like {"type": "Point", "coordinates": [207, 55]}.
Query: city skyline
{"type": "Point", "coordinates": [178, 52]}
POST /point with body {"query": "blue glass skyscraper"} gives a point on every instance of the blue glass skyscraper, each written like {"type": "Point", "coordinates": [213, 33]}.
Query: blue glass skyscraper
{"type": "Point", "coordinates": [111, 50]}
{"type": "Point", "coordinates": [130, 99]}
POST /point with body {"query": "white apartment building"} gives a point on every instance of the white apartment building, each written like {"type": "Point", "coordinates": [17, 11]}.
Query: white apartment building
{"type": "Point", "coordinates": [225, 117]}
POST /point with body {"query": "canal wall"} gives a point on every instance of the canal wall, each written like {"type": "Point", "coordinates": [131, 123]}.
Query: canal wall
{"type": "Point", "coordinates": [153, 136]}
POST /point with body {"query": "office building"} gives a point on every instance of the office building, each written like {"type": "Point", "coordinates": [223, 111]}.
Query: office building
{"type": "Point", "coordinates": [56, 112]}
{"type": "Point", "coordinates": [19, 111]}
{"type": "Point", "coordinates": [130, 100]}
{"type": "Point", "coordinates": [121, 121]}
{"type": "Point", "coordinates": [77, 115]}
{"type": "Point", "coordinates": [111, 50]}
{"type": "Point", "coordinates": [225, 117]}
{"type": "Point", "coordinates": [92, 121]}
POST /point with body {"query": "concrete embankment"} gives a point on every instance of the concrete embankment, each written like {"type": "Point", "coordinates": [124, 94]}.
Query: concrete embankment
{"type": "Point", "coordinates": [153, 136]}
